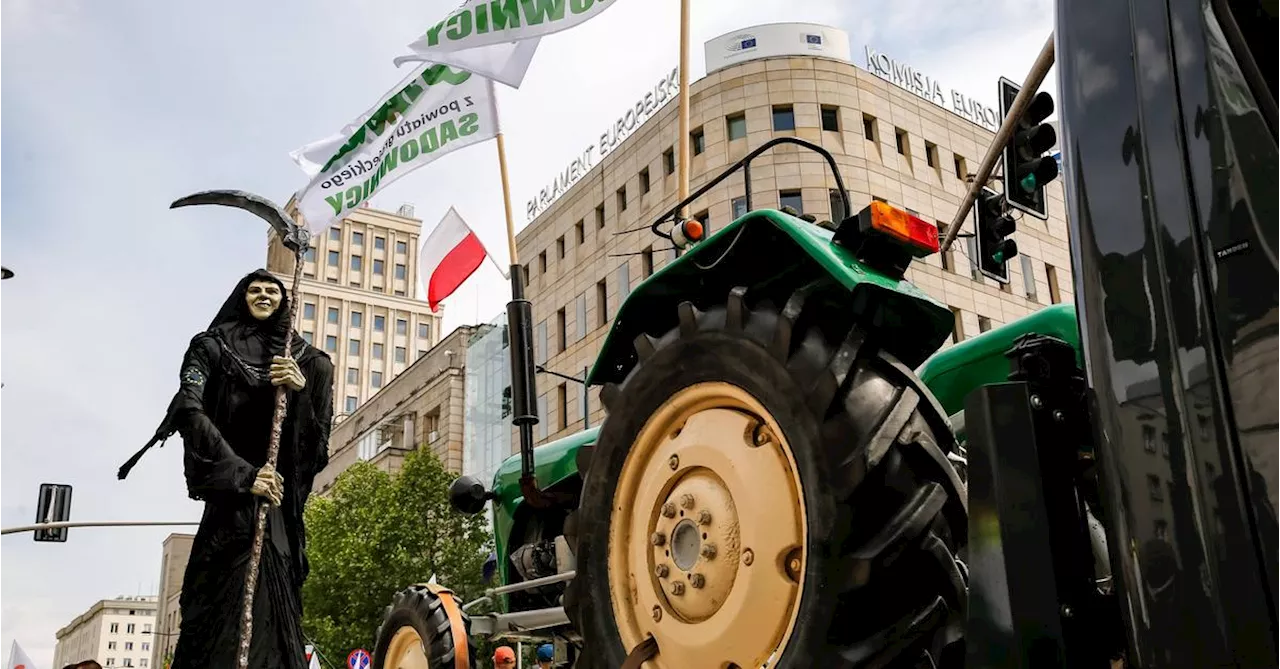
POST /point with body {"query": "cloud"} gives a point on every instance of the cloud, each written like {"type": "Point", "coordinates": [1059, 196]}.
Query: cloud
{"type": "Point", "coordinates": [113, 110]}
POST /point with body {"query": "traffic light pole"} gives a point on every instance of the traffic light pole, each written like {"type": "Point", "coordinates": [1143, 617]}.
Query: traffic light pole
{"type": "Point", "coordinates": [97, 523]}
{"type": "Point", "coordinates": [1029, 88]}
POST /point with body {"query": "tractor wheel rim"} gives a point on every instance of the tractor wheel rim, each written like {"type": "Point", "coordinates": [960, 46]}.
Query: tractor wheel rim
{"type": "Point", "coordinates": [707, 534]}
{"type": "Point", "coordinates": [406, 650]}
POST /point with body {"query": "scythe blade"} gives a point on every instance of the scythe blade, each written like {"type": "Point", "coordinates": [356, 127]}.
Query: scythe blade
{"type": "Point", "coordinates": [294, 237]}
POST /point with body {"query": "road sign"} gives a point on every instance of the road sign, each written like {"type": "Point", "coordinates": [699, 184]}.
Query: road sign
{"type": "Point", "coordinates": [359, 659]}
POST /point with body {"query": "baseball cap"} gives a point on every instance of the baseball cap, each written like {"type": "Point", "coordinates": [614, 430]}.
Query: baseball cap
{"type": "Point", "coordinates": [546, 652]}
{"type": "Point", "coordinates": [504, 654]}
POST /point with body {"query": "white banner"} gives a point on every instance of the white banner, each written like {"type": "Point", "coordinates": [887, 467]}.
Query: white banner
{"type": "Point", "coordinates": [506, 63]}
{"type": "Point", "coordinates": [433, 112]}
{"type": "Point", "coordinates": [486, 23]}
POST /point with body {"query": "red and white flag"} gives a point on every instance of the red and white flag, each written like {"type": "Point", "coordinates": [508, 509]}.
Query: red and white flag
{"type": "Point", "coordinates": [450, 254]}
{"type": "Point", "coordinates": [18, 658]}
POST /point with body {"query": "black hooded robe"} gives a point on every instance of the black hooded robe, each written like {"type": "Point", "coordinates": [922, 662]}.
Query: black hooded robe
{"type": "Point", "coordinates": [223, 411]}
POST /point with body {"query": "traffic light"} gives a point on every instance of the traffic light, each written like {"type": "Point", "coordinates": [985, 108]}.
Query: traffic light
{"type": "Point", "coordinates": [1026, 169]}
{"type": "Point", "coordinates": [992, 227]}
{"type": "Point", "coordinates": [53, 505]}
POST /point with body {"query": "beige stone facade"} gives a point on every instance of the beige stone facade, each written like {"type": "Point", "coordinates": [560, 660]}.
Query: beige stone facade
{"type": "Point", "coordinates": [888, 143]}
{"type": "Point", "coordinates": [114, 632]}
{"type": "Point", "coordinates": [173, 566]}
{"type": "Point", "coordinates": [420, 408]}
{"type": "Point", "coordinates": [359, 300]}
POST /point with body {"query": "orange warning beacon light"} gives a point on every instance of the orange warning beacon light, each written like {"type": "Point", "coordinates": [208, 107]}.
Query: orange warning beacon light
{"type": "Point", "coordinates": [919, 237]}
{"type": "Point", "coordinates": [687, 232]}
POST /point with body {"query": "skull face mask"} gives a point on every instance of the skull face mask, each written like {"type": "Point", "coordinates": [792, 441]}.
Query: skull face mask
{"type": "Point", "coordinates": [263, 298]}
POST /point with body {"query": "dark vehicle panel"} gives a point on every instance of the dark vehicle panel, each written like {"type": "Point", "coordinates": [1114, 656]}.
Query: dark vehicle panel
{"type": "Point", "coordinates": [1171, 189]}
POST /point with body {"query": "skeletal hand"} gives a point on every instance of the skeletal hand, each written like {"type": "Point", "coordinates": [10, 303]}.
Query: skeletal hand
{"type": "Point", "coordinates": [269, 484]}
{"type": "Point", "coordinates": [285, 371]}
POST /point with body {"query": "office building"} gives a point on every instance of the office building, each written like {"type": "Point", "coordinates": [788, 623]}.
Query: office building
{"type": "Point", "coordinates": [173, 566]}
{"type": "Point", "coordinates": [115, 632]}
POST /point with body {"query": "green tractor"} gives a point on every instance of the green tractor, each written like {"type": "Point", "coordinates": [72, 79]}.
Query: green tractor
{"type": "Point", "coordinates": [773, 483]}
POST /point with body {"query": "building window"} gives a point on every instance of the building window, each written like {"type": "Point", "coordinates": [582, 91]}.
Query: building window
{"type": "Point", "coordinates": [622, 199]}
{"type": "Point", "coordinates": [784, 117]}
{"type": "Point", "coordinates": [540, 344]}
{"type": "Point", "coordinates": [142, 661]}
{"type": "Point", "coordinates": [309, 310]}
{"type": "Point", "coordinates": [579, 233]}
{"type": "Point", "coordinates": [542, 262]}
{"type": "Point", "coordinates": [646, 263]}
{"type": "Point", "coordinates": [402, 327]}
{"type": "Point", "coordinates": [378, 268]}
{"type": "Point", "coordinates": [830, 118]}
{"type": "Point", "coordinates": [562, 398]}
{"type": "Point", "coordinates": [542, 417]}
{"type": "Point", "coordinates": [644, 181]}
{"type": "Point", "coordinates": [1051, 273]}
{"type": "Point", "coordinates": [957, 326]}
{"type": "Point", "coordinates": [130, 628]}
{"type": "Point", "coordinates": [581, 316]}
{"type": "Point", "coordinates": [128, 645]}
{"type": "Point", "coordinates": [837, 205]}
{"type": "Point", "coordinates": [560, 248]}
{"type": "Point", "coordinates": [948, 259]}
{"type": "Point", "coordinates": [703, 217]}
{"type": "Point", "coordinates": [972, 246]}
{"type": "Point", "coordinates": [424, 330]}
{"type": "Point", "coordinates": [356, 264]}
{"type": "Point", "coordinates": [1028, 278]}
{"type": "Point", "coordinates": [308, 337]}
{"type": "Point", "coordinates": [333, 315]}
{"type": "Point", "coordinates": [380, 243]}
{"type": "Point", "coordinates": [379, 323]}
{"type": "Point", "coordinates": [791, 198]}
{"type": "Point", "coordinates": [375, 379]}
{"type": "Point", "coordinates": [869, 127]}
{"type": "Point", "coordinates": [602, 303]}
{"type": "Point", "coordinates": [146, 645]}
{"type": "Point", "coordinates": [931, 154]}
{"type": "Point", "coordinates": [739, 207]}
{"type": "Point", "coordinates": [1157, 490]}
{"type": "Point", "coordinates": [1149, 438]}
{"type": "Point", "coordinates": [737, 126]}
{"type": "Point", "coordinates": [900, 136]}
{"type": "Point", "coordinates": [402, 248]}
{"type": "Point", "coordinates": [351, 404]}
{"type": "Point", "coordinates": [624, 280]}
{"type": "Point", "coordinates": [111, 645]}
{"type": "Point", "coordinates": [331, 343]}
{"type": "Point", "coordinates": [561, 325]}
{"type": "Point", "coordinates": [333, 258]}
{"type": "Point", "coordinates": [984, 324]}
{"type": "Point", "coordinates": [335, 234]}
{"type": "Point", "coordinates": [600, 217]}
{"type": "Point", "coordinates": [353, 347]}
{"type": "Point", "coordinates": [377, 351]}
{"type": "Point", "coordinates": [401, 354]}
{"type": "Point", "coordinates": [311, 254]}
{"type": "Point", "coordinates": [353, 376]}
{"type": "Point", "coordinates": [668, 161]}
{"type": "Point", "coordinates": [699, 141]}
{"type": "Point", "coordinates": [128, 662]}
{"type": "Point", "coordinates": [962, 172]}
{"type": "Point", "coordinates": [401, 272]}
{"type": "Point", "coordinates": [357, 319]}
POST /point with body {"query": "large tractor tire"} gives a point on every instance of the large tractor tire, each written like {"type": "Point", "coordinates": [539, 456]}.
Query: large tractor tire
{"type": "Point", "coordinates": [770, 489]}
{"type": "Point", "coordinates": [424, 628]}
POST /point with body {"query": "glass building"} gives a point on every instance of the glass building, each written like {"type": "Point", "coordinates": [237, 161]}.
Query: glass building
{"type": "Point", "coordinates": [487, 413]}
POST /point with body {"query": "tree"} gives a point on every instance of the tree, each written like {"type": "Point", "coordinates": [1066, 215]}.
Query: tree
{"type": "Point", "coordinates": [377, 534]}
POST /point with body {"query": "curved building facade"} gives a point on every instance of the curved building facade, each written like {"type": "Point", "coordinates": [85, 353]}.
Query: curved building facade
{"type": "Point", "coordinates": [889, 143]}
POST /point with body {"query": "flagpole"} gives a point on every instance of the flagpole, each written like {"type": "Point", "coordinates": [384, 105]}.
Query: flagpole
{"type": "Point", "coordinates": [524, 389]}
{"type": "Point", "coordinates": [683, 141]}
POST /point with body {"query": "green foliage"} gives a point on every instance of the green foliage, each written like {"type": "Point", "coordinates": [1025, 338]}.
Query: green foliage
{"type": "Point", "coordinates": [376, 534]}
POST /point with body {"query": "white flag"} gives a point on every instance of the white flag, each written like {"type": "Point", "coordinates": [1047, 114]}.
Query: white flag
{"type": "Point", "coordinates": [18, 658]}
{"type": "Point", "coordinates": [500, 23]}
{"type": "Point", "coordinates": [433, 112]}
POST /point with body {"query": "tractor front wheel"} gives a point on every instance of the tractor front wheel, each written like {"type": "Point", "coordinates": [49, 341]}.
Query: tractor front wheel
{"type": "Point", "coordinates": [424, 629]}
{"type": "Point", "coordinates": [767, 492]}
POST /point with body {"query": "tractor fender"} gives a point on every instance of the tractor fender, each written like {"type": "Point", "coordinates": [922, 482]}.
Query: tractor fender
{"type": "Point", "coordinates": [772, 254]}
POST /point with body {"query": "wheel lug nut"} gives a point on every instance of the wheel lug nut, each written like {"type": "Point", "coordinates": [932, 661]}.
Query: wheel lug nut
{"type": "Point", "coordinates": [704, 517]}
{"type": "Point", "coordinates": [762, 435]}
{"type": "Point", "coordinates": [677, 588]}
{"type": "Point", "coordinates": [697, 580]}
{"type": "Point", "coordinates": [674, 462]}
{"type": "Point", "coordinates": [662, 570]}
{"type": "Point", "coordinates": [669, 510]}
{"type": "Point", "coordinates": [659, 538]}
{"type": "Point", "coordinates": [686, 500]}
{"type": "Point", "coordinates": [748, 556]}
{"type": "Point", "coordinates": [708, 551]}
{"type": "Point", "coordinates": [657, 613]}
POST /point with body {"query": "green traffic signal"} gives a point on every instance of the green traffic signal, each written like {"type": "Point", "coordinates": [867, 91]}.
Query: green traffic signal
{"type": "Point", "coordinates": [1028, 183]}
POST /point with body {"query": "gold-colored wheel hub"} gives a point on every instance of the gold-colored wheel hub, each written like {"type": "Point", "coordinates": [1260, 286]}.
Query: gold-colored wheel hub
{"type": "Point", "coordinates": [707, 533]}
{"type": "Point", "coordinates": [406, 651]}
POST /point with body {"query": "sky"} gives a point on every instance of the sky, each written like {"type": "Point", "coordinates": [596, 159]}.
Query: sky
{"type": "Point", "coordinates": [111, 110]}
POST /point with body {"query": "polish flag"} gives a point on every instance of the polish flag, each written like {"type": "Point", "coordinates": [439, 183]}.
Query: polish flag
{"type": "Point", "coordinates": [450, 254]}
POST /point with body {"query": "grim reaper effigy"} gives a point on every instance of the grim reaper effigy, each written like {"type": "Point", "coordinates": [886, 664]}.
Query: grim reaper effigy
{"type": "Point", "coordinates": [226, 410]}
